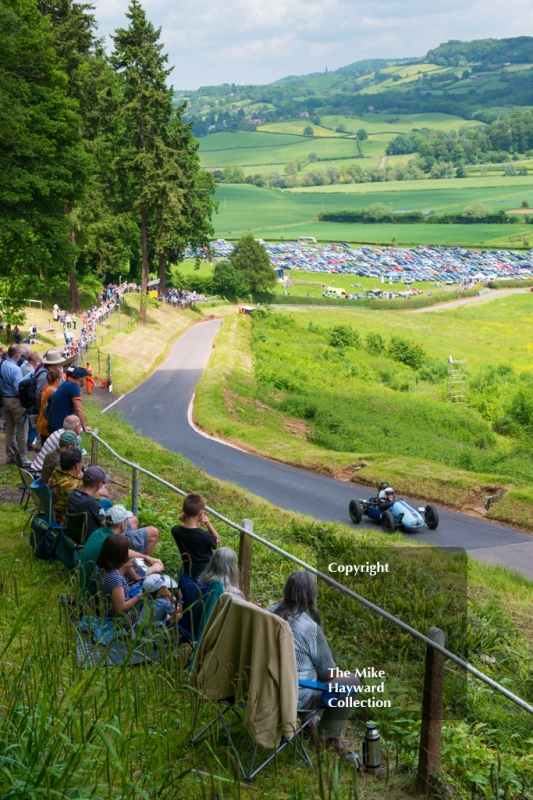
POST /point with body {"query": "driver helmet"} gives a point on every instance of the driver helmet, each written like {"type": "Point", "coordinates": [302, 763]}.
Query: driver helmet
{"type": "Point", "coordinates": [386, 494]}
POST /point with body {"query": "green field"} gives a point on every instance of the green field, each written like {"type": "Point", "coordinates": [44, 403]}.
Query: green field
{"type": "Point", "coordinates": [377, 123]}
{"type": "Point", "coordinates": [327, 407]}
{"type": "Point", "coordinates": [271, 146]}
{"type": "Point", "coordinates": [274, 214]}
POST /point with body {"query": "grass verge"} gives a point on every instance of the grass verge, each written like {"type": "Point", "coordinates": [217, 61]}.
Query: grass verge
{"type": "Point", "coordinates": [273, 388]}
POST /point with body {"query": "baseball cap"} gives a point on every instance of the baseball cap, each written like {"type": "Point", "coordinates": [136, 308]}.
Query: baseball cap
{"type": "Point", "coordinates": [69, 437]}
{"type": "Point", "coordinates": [117, 514]}
{"type": "Point", "coordinates": [153, 583]}
{"type": "Point", "coordinates": [96, 475]}
{"type": "Point", "coordinates": [77, 372]}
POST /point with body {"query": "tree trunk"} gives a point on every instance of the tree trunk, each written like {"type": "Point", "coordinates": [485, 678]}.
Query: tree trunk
{"type": "Point", "coordinates": [75, 304]}
{"type": "Point", "coordinates": [162, 273]}
{"type": "Point", "coordinates": [144, 274]}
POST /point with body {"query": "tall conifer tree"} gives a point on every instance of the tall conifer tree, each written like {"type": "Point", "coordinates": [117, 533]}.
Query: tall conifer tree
{"type": "Point", "coordinates": [147, 162]}
{"type": "Point", "coordinates": [159, 161]}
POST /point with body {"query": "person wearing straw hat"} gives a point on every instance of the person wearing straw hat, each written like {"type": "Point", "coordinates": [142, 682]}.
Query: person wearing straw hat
{"type": "Point", "coordinates": [52, 358]}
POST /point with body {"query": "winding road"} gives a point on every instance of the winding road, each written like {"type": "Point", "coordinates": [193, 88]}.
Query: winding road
{"type": "Point", "coordinates": [160, 409]}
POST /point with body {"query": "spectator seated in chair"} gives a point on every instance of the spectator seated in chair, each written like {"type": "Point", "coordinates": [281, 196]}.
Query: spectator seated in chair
{"type": "Point", "coordinates": [314, 660]}
{"type": "Point", "coordinates": [67, 441]}
{"type": "Point", "coordinates": [70, 423]}
{"type": "Point", "coordinates": [223, 567]}
{"type": "Point", "coordinates": [195, 544]}
{"type": "Point", "coordinates": [90, 497]}
{"type": "Point", "coordinates": [64, 480]}
{"type": "Point", "coordinates": [93, 546]}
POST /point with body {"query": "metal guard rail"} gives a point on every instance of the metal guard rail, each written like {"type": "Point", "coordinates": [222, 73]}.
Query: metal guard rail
{"type": "Point", "coordinates": [376, 609]}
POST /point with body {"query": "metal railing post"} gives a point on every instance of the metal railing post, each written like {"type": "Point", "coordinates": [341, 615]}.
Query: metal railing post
{"type": "Point", "coordinates": [431, 727]}
{"type": "Point", "coordinates": [94, 449]}
{"type": "Point", "coordinates": [245, 557]}
{"type": "Point", "coordinates": [135, 490]}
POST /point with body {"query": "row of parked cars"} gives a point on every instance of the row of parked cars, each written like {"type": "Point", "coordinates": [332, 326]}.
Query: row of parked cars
{"type": "Point", "coordinates": [451, 265]}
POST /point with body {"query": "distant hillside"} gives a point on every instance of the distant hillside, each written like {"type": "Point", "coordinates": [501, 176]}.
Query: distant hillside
{"type": "Point", "coordinates": [484, 79]}
{"type": "Point", "coordinates": [488, 51]}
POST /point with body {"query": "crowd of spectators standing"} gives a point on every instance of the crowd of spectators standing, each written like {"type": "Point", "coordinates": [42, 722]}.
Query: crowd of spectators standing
{"type": "Point", "coordinates": [181, 298]}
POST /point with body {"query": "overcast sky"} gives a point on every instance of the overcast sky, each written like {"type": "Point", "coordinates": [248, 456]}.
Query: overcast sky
{"type": "Point", "coordinates": [259, 41]}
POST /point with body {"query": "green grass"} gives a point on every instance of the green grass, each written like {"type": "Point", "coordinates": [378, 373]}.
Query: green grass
{"type": "Point", "coordinates": [274, 214]}
{"type": "Point", "coordinates": [302, 394]}
{"type": "Point", "coordinates": [379, 123]}
{"type": "Point", "coordinates": [281, 150]}
{"type": "Point", "coordinates": [123, 732]}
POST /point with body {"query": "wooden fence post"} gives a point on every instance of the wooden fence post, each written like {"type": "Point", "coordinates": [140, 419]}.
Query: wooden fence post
{"type": "Point", "coordinates": [245, 557]}
{"type": "Point", "coordinates": [431, 727]}
{"type": "Point", "coordinates": [135, 491]}
{"type": "Point", "coordinates": [94, 450]}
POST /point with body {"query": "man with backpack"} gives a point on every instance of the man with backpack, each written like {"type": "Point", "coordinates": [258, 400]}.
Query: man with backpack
{"type": "Point", "coordinates": [14, 412]}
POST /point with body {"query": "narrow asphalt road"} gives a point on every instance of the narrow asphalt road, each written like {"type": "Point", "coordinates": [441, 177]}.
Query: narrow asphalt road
{"type": "Point", "coordinates": [159, 409]}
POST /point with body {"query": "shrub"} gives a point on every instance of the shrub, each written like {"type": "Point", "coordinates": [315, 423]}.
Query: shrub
{"type": "Point", "coordinates": [520, 410]}
{"type": "Point", "coordinates": [342, 336]}
{"type": "Point", "coordinates": [407, 352]}
{"type": "Point", "coordinates": [375, 344]}
{"type": "Point", "coordinates": [433, 371]}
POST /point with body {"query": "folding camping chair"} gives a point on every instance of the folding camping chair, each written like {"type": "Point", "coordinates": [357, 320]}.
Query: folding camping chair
{"type": "Point", "coordinates": [27, 480]}
{"type": "Point", "coordinates": [246, 685]}
{"type": "Point", "coordinates": [44, 527]}
{"type": "Point", "coordinates": [33, 472]}
{"type": "Point", "coordinates": [70, 540]}
{"type": "Point", "coordinates": [197, 603]}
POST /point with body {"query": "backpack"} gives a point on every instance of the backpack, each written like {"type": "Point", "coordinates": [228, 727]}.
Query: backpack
{"type": "Point", "coordinates": [28, 391]}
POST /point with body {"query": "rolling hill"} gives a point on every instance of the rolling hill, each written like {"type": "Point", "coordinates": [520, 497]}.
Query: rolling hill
{"type": "Point", "coordinates": [485, 79]}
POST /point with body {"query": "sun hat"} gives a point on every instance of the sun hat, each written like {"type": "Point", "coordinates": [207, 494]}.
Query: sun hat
{"type": "Point", "coordinates": [117, 514]}
{"type": "Point", "coordinates": [153, 583]}
{"type": "Point", "coordinates": [54, 357]}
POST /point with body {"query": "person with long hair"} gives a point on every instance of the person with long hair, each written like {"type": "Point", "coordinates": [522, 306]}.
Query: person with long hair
{"type": "Point", "coordinates": [314, 660]}
{"type": "Point", "coordinates": [223, 567]}
{"type": "Point", "coordinates": [112, 562]}
{"type": "Point", "coordinates": [54, 378]}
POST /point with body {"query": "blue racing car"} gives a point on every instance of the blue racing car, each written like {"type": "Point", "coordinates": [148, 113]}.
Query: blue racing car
{"type": "Point", "coordinates": [393, 513]}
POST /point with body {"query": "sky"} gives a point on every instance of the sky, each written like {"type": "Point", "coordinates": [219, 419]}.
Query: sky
{"type": "Point", "coordinates": [258, 41]}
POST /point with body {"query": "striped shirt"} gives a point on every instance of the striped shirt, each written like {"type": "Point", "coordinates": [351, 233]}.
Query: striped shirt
{"type": "Point", "coordinates": [52, 443]}
{"type": "Point", "coordinates": [313, 656]}
{"type": "Point", "coordinates": [106, 581]}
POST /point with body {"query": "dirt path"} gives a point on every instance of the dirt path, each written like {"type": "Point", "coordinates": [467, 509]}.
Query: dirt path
{"type": "Point", "coordinates": [491, 295]}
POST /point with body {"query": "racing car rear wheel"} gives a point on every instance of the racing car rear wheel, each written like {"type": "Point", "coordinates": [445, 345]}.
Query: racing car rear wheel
{"type": "Point", "coordinates": [356, 512]}
{"type": "Point", "coordinates": [432, 517]}
{"type": "Point", "coordinates": [388, 523]}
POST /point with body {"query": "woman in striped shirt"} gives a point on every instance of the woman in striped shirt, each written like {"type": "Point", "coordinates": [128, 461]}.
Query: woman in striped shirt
{"type": "Point", "coordinates": [112, 584]}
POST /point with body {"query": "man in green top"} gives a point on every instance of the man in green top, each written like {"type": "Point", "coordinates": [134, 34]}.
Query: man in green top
{"type": "Point", "coordinates": [51, 462]}
{"type": "Point", "coordinates": [115, 522]}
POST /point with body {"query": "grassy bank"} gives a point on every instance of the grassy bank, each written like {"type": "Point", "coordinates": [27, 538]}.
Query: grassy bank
{"type": "Point", "coordinates": [137, 351]}
{"type": "Point", "coordinates": [283, 390]}
{"type": "Point", "coordinates": [124, 731]}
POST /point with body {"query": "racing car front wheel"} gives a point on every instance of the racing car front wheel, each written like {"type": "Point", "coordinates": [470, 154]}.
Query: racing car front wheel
{"type": "Point", "coordinates": [388, 523]}
{"type": "Point", "coordinates": [432, 517]}
{"type": "Point", "coordinates": [356, 512]}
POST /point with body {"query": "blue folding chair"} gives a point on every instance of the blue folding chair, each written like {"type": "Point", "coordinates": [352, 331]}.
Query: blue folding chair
{"type": "Point", "coordinates": [197, 602]}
